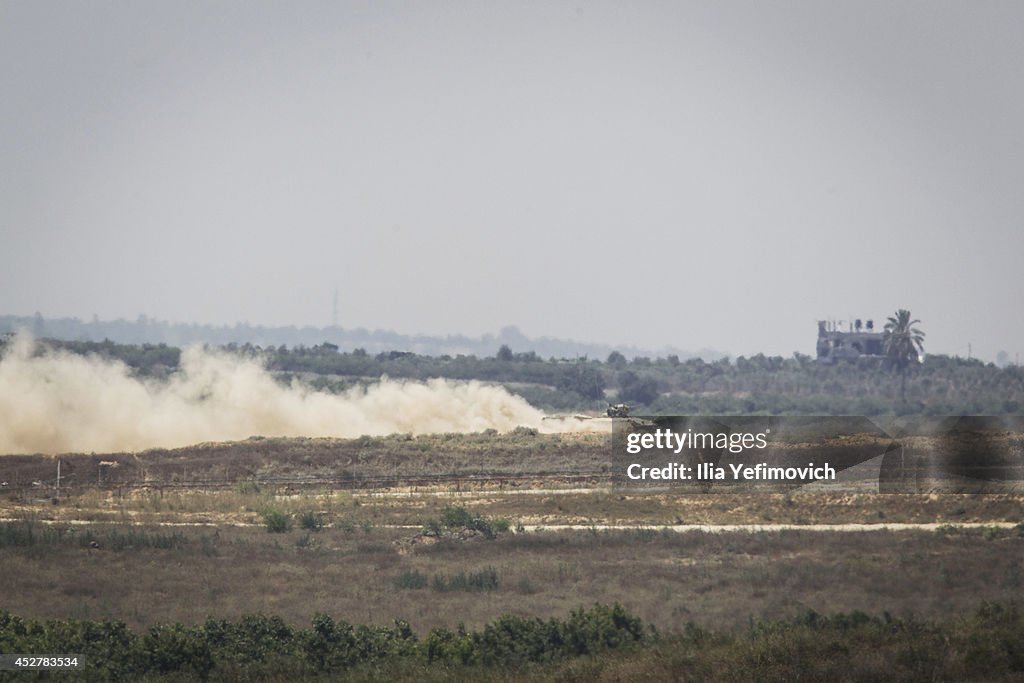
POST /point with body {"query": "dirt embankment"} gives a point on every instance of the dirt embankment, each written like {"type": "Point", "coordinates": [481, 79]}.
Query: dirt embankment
{"type": "Point", "coordinates": [363, 462]}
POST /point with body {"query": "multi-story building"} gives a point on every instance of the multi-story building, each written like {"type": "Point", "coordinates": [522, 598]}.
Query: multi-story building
{"type": "Point", "coordinates": [858, 340]}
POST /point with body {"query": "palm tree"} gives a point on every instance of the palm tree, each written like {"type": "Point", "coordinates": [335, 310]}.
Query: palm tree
{"type": "Point", "coordinates": [903, 343]}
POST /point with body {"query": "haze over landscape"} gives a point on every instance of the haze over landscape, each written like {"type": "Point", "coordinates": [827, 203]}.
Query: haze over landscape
{"type": "Point", "coordinates": [688, 175]}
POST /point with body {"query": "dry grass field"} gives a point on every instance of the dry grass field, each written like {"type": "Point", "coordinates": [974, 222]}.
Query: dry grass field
{"type": "Point", "coordinates": [362, 575]}
{"type": "Point", "coordinates": [180, 536]}
{"type": "Point", "coordinates": [368, 461]}
{"type": "Point", "coordinates": [543, 507]}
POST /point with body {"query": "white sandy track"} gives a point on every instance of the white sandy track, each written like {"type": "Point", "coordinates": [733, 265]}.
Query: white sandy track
{"type": "Point", "coordinates": [761, 528]}
{"type": "Point", "coordinates": [677, 528]}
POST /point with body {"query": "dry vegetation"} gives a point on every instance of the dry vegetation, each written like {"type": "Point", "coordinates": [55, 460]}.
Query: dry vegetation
{"type": "Point", "coordinates": [353, 571]}
{"type": "Point", "coordinates": [244, 503]}
{"type": "Point", "coordinates": [366, 461]}
{"type": "Point", "coordinates": [163, 553]}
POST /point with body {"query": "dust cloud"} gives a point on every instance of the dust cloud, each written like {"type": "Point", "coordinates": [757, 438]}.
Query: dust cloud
{"type": "Point", "coordinates": [53, 401]}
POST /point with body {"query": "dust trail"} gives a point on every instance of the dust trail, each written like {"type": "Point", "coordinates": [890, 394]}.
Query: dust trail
{"type": "Point", "coordinates": [57, 402]}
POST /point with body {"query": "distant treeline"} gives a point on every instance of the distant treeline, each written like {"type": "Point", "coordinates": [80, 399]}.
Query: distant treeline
{"type": "Point", "coordinates": [146, 330]}
{"type": "Point", "coordinates": [600, 643]}
{"type": "Point", "coordinates": [941, 385]}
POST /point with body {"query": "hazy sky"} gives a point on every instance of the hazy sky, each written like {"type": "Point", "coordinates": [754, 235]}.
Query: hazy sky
{"type": "Point", "coordinates": [712, 174]}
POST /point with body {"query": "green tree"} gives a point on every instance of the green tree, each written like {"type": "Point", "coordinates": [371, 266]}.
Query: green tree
{"type": "Point", "coordinates": [584, 379]}
{"type": "Point", "coordinates": [903, 343]}
{"type": "Point", "coordinates": [636, 389]}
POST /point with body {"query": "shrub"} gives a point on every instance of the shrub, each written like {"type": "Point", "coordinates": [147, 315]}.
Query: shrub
{"type": "Point", "coordinates": [26, 533]}
{"type": "Point", "coordinates": [455, 518]}
{"type": "Point", "coordinates": [475, 582]}
{"type": "Point", "coordinates": [483, 526]}
{"type": "Point", "coordinates": [277, 522]}
{"type": "Point", "coordinates": [248, 488]}
{"type": "Point", "coordinates": [132, 539]}
{"type": "Point", "coordinates": [411, 579]}
{"type": "Point", "coordinates": [985, 645]}
{"type": "Point", "coordinates": [311, 521]}
{"type": "Point", "coordinates": [484, 580]}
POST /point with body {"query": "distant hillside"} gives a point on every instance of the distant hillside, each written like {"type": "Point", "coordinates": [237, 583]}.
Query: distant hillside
{"type": "Point", "coordinates": [145, 330]}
